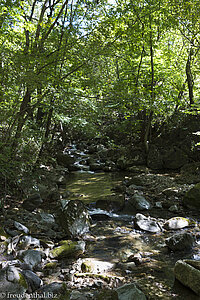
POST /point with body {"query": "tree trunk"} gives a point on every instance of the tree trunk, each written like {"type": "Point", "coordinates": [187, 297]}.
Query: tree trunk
{"type": "Point", "coordinates": [190, 81]}
{"type": "Point", "coordinates": [21, 117]}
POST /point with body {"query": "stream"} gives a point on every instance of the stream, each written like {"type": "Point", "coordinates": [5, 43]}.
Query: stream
{"type": "Point", "coordinates": [116, 240]}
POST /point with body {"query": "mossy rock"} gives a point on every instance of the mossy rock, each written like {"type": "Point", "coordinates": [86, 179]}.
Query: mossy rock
{"type": "Point", "coordinates": [178, 223]}
{"type": "Point", "coordinates": [68, 248]}
{"type": "Point", "coordinates": [22, 281]}
{"type": "Point", "coordinates": [87, 267]}
{"type": "Point", "coordinates": [192, 197]}
{"type": "Point", "coordinates": [51, 265]}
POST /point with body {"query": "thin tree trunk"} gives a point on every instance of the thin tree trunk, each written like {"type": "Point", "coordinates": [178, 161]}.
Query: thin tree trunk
{"type": "Point", "coordinates": [148, 128]}
{"type": "Point", "coordinates": [21, 117]}
{"type": "Point", "coordinates": [190, 81]}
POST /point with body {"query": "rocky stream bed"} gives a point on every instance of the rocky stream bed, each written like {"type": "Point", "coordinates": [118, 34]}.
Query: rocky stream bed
{"type": "Point", "coordinates": [94, 234]}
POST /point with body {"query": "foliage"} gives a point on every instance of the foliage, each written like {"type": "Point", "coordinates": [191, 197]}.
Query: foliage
{"type": "Point", "coordinates": [92, 68]}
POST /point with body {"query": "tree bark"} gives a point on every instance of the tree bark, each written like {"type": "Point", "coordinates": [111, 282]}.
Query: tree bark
{"type": "Point", "coordinates": [190, 81]}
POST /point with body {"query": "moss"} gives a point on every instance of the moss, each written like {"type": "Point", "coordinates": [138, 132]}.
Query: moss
{"type": "Point", "coordinates": [66, 249]}
{"type": "Point", "coordinates": [22, 281]}
{"type": "Point", "coordinates": [87, 267]}
{"type": "Point", "coordinates": [51, 265]}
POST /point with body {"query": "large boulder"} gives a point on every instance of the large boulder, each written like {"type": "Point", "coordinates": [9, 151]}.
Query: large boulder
{"type": "Point", "coordinates": [192, 197]}
{"type": "Point", "coordinates": [65, 159]}
{"type": "Point", "coordinates": [175, 159]}
{"type": "Point", "coordinates": [31, 257]}
{"type": "Point", "coordinates": [55, 290]}
{"type": "Point", "coordinates": [139, 202]}
{"type": "Point", "coordinates": [146, 223]}
{"type": "Point", "coordinates": [130, 292]}
{"type": "Point", "coordinates": [74, 218]}
{"type": "Point", "coordinates": [66, 249]}
{"type": "Point", "coordinates": [12, 282]}
{"type": "Point", "coordinates": [33, 201]}
{"type": "Point", "coordinates": [34, 282]}
{"type": "Point", "coordinates": [188, 273]}
{"type": "Point", "coordinates": [178, 223]}
{"type": "Point", "coordinates": [180, 241]}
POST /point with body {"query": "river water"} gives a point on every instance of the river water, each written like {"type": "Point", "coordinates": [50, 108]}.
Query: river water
{"type": "Point", "coordinates": [116, 239]}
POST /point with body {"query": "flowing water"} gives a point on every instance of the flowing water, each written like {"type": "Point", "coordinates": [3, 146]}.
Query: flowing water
{"type": "Point", "coordinates": [116, 240]}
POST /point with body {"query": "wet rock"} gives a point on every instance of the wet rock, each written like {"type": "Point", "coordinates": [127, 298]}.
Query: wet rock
{"type": "Point", "coordinates": [34, 282]}
{"type": "Point", "coordinates": [12, 281]}
{"type": "Point", "coordinates": [113, 202]}
{"type": "Point", "coordinates": [146, 223]}
{"type": "Point", "coordinates": [31, 257]}
{"type": "Point", "coordinates": [177, 223]}
{"type": "Point", "coordinates": [129, 292]}
{"type": "Point", "coordinates": [192, 197]}
{"type": "Point", "coordinates": [95, 266]}
{"type": "Point", "coordinates": [139, 202]}
{"type": "Point", "coordinates": [188, 273]}
{"type": "Point", "coordinates": [32, 202]}
{"type": "Point", "coordinates": [180, 242]}
{"type": "Point", "coordinates": [74, 218]}
{"type": "Point", "coordinates": [68, 249]}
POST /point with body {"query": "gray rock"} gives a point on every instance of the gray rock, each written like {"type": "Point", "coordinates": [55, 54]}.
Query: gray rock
{"type": "Point", "coordinates": [67, 249]}
{"type": "Point", "coordinates": [27, 242]}
{"type": "Point", "coordinates": [146, 223]}
{"type": "Point", "coordinates": [32, 202]}
{"type": "Point", "coordinates": [192, 197]}
{"type": "Point", "coordinates": [34, 282]}
{"type": "Point", "coordinates": [130, 292]}
{"type": "Point", "coordinates": [139, 202]}
{"type": "Point", "coordinates": [46, 218]}
{"type": "Point", "coordinates": [31, 257]}
{"type": "Point", "coordinates": [55, 289]}
{"type": "Point", "coordinates": [65, 159]}
{"type": "Point", "coordinates": [177, 223]}
{"type": "Point", "coordinates": [180, 241]}
{"type": "Point", "coordinates": [21, 227]}
{"type": "Point", "coordinates": [12, 282]}
{"type": "Point", "coordinates": [188, 273]}
{"type": "Point", "coordinates": [74, 219]}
